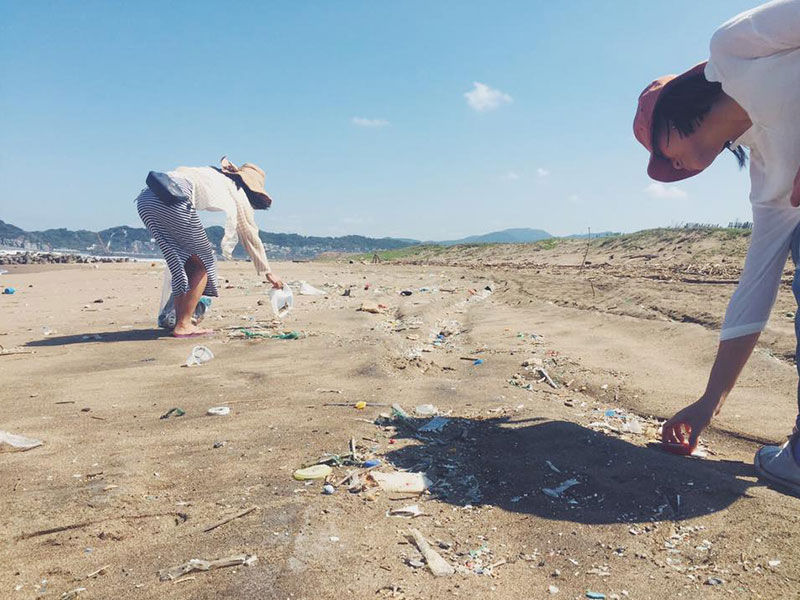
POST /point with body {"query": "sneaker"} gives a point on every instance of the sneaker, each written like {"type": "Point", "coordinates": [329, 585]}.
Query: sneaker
{"type": "Point", "coordinates": [777, 465]}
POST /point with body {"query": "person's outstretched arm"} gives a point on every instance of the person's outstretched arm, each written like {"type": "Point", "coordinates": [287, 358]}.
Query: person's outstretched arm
{"type": "Point", "coordinates": [732, 355]}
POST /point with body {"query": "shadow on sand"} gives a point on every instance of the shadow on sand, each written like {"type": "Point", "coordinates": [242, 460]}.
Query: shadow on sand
{"type": "Point", "coordinates": [129, 335]}
{"type": "Point", "coordinates": [503, 462]}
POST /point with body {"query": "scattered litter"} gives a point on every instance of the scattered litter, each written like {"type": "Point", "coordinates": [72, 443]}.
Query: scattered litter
{"type": "Point", "coordinates": [306, 289]}
{"type": "Point", "coordinates": [281, 300]}
{"type": "Point", "coordinates": [334, 538]}
{"type": "Point", "coordinates": [478, 361]}
{"type": "Point", "coordinates": [546, 377]}
{"type": "Point", "coordinates": [99, 571]}
{"type": "Point", "coordinates": [595, 595]}
{"type": "Point", "coordinates": [178, 412]}
{"type": "Point", "coordinates": [287, 335]}
{"type": "Point", "coordinates": [556, 492]}
{"type": "Point", "coordinates": [553, 468]}
{"type": "Point", "coordinates": [218, 411]}
{"type": "Point", "coordinates": [199, 355]}
{"type": "Point", "coordinates": [435, 425]}
{"type": "Point", "coordinates": [714, 581]}
{"type": "Point", "coordinates": [246, 511]}
{"type": "Point", "coordinates": [313, 472]}
{"type": "Point", "coordinates": [328, 489]}
{"type": "Point", "coordinates": [411, 511]}
{"type": "Point", "coordinates": [10, 442]}
{"type": "Point", "coordinates": [552, 589]}
{"type": "Point", "coordinates": [70, 595]}
{"type": "Point", "coordinates": [774, 563]}
{"type": "Point", "coordinates": [373, 462]}
{"type": "Point", "coordinates": [46, 331]}
{"type": "Point", "coordinates": [197, 564]}
{"type": "Point", "coordinates": [9, 290]}
{"type": "Point", "coordinates": [634, 426]}
{"type": "Point", "coordinates": [16, 350]}
{"type": "Point", "coordinates": [361, 405]}
{"type": "Point", "coordinates": [399, 481]}
{"type": "Point", "coordinates": [406, 293]}
{"type": "Point", "coordinates": [438, 566]}
{"type": "Point", "coordinates": [425, 410]}
{"type": "Point", "coordinates": [326, 391]}
{"type": "Point", "coordinates": [371, 307]}
{"type": "Point", "coordinates": [219, 444]}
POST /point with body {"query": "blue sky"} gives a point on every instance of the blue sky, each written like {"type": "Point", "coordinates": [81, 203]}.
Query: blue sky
{"type": "Point", "coordinates": [430, 120]}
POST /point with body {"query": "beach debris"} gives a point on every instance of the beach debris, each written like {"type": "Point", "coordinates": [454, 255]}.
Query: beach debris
{"type": "Point", "coordinates": [218, 411]}
{"type": "Point", "coordinates": [242, 513]}
{"type": "Point", "coordinates": [328, 489]}
{"type": "Point", "coordinates": [219, 444]}
{"type": "Point", "coordinates": [372, 462]}
{"type": "Point", "coordinates": [287, 335]}
{"type": "Point", "coordinates": [281, 301]}
{"type": "Point", "coordinates": [178, 412]}
{"type": "Point", "coordinates": [371, 307]}
{"type": "Point", "coordinates": [425, 410]}
{"type": "Point", "coordinates": [477, 361]}
{"type": "Point", "coordinates": [553, 468]}
{"type": "Point", "coordinates": [552, 589]}
{"type": "Point", "coordinates": [595, 595]}
{"type": "Point", "coordinates": [312, 472]}
{"type": "Point", "coordinates": [361, 405]}
{"type": "Point", "coordinates": [437, 565]}
{"type": "Point", "coordinates": [99, 571]}
{"type": "Point", "coordinates": [199, 355]}
{"type": "Point", "coordinates": [556, 492]}
{"type": "Point", "coordinates": [435, 425]}
{"type": "Point", "coordinates": [547, 378]}
{"type": "Point", "coordinates": [47, 331]}
{"type": "Point", "coordinates": [411, 511]}
{"type": "Point", "coordinates": [406, 293]}
{"type": "Point", "coordinates": [328, 391]}
{"type": "Point", "coordinates": [714, 581]}
{"type": "Point", "coordinates": [72, 594]}
{"type": "Point", "coordinates": [774, 563]}
{"type": "Point", "coordinates": [9, 290]}
{"type": "Point", "coordinates": [306, 289]}
{"type": "Point", "coordinates": [399, 481]}
{"type": "Point", "coordinates": [197, 564]}
{"type": "Point", "coordinates": [16, 350]}
{"type": "Point", "coordinates": [10, 442]}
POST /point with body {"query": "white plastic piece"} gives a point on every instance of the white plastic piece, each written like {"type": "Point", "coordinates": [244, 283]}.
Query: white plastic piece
{"type": "Point", "coordinates": [199, 355]}
{"type": "Point", "coordinates": [282, 301]}
{"type": "Point", "coordinates": [219, 411]}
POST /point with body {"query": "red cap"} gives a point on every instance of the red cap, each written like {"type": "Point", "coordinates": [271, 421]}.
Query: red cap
{"type": "Point", "coordinates": [659, 169]}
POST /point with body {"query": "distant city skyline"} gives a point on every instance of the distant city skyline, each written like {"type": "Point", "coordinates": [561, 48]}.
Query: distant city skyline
{"type": "Point", "coordinates": [411, 120]}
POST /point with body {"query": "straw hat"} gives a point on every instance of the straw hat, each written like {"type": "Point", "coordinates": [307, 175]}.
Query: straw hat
{"type": "Point", "coordinates": [252, 178]}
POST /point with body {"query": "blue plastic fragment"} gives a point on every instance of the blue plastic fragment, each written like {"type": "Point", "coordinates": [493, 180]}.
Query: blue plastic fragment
{"type": "Point", "coordinates": [372, 462]}
{"type": "Point", "coordinates": [595, 595]}
{"type": "Point", "coordinates": [9, 290]}
{"type": "Point", "coordinates": [478, 361]}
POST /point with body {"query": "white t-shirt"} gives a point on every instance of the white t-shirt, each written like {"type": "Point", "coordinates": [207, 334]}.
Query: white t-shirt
{"type": "Point", "coordinates": [756, 58]}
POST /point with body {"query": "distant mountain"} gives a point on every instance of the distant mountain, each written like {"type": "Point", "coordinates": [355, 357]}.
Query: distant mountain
{"type": "Point", "coordinates": [506, 236]}
{"type": "Point", "coordinates": [137, 241]}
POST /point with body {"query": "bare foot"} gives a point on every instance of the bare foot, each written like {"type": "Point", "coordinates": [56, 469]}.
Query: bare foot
{"type": "Point", "coordinates": [182, 331]}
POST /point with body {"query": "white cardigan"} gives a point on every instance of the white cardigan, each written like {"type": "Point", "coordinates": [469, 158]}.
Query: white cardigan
{"type": "Point", "coordinates": [212, 190]}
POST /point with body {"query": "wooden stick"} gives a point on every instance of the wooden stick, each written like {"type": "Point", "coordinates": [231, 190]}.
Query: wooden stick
{"type": "Point", "coordinates": [246, 511]}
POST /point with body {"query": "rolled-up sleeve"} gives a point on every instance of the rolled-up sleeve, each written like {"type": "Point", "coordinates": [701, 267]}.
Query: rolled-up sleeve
{"type": "Point", "coordinates": [751, 303]}
{"type": "Point", "coordinates": [248, 236]}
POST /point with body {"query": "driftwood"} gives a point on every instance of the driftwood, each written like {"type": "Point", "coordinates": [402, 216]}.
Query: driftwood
{"type": "Point", "coordinates": [438, 566]}
{"type": "Point", "coordinates": [246, 511]}
{"type": "Point", "coordinates": [546, 377]}
{"type": "Point", "coordinates": [197, 564]}
{"type": "Point", "coordinates": [27, 536]}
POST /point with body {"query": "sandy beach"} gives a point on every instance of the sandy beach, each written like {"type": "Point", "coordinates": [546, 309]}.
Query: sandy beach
{"type": "Point", "coordinates": [116, 494]}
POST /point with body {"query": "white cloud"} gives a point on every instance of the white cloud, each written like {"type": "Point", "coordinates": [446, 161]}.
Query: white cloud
{"type": "Point", "coordinates": [362, 122]}
{"type": "Point", "coordinates": [510, 176]}
{"type": "Point", "coordinates": [482, 97]}
{"type": "Point", "coordinates": [542, 172]}
{"type": "Point", "coordinates": [660, 191]}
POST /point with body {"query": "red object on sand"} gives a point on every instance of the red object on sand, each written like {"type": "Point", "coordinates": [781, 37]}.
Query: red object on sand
{"type": "Point", "coordinates": [681, 432]}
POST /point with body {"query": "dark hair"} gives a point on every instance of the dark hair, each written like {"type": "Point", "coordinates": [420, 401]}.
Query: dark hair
{"type": "Point", "coordinates": [684, 106]}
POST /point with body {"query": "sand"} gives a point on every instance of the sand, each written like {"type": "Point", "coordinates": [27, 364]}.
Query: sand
{"type": "Point", "coordinates": [121, 487]}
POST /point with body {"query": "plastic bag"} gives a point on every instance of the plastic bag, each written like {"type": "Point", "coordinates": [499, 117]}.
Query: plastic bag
{"type": "Point", "coordinates": [166, 311]}
{"type": "Point", "coordinates": [282, 301]}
